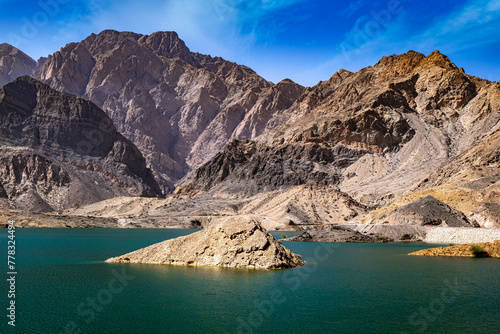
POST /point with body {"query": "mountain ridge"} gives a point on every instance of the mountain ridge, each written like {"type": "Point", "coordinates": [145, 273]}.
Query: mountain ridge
{"type": "Point", "coordinates": [177, 106]}
{"type": "Point", "coordinates": [222, 133]}
{"type": "Point", "coordinates": [372, 134]}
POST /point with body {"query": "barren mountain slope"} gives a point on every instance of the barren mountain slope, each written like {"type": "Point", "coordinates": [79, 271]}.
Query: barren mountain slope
{"type": "Point", "coordinates": [373, 134]}
{"type": "Point", "coordinates": [469, 183]}
{"type": "Point", "coordinates": [58, 151]}
{"type": "Point", "coordinates": [277, 210]}
{"type": "Point", "coordinates": [178, 107]}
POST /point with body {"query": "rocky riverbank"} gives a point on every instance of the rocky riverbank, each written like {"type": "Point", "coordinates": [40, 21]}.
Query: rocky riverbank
{"type": "Point", "coordinates": [461, 235]}
{"type": "Point", "coordinates": [398, 233]}
{"type": "Point", "coordinates": [486, 249]}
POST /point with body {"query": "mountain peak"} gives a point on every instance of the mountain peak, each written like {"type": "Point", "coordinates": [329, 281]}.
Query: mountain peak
{"type": "Point", "coordinates": [168, 44]}
{"type": "Point", "coordinates": [400, 64]}
{"type": "Point", "coordinates": [6, 48]}
{"type": "Point", "coordinates": [13, 63]}
{"type": "Point", "coordinates": [438, 59]}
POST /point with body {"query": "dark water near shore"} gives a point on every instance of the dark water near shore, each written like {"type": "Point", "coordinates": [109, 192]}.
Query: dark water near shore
{"type": "Point", "coordinates": [63, 286]}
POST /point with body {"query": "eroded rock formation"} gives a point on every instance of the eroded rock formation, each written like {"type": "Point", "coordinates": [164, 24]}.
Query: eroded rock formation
{"type": "Point", "coordinates": [59, 151]}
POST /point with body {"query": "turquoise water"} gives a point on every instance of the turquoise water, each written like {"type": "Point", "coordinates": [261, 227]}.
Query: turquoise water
{"type": "Point", "coordinates": [63, 286]}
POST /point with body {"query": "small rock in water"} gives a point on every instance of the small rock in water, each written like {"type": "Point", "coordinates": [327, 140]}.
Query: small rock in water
{"type": "Point", "coordinates": [239, 242]}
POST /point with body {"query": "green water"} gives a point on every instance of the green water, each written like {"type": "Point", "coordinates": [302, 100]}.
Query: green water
{"type": "Point", "coordinates": [344, 288]}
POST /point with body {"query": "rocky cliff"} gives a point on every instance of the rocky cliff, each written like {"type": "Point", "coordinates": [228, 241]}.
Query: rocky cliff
{"type": "Point", "coordinates": [237, 242]}
{"type": "Point", "coordinates": [389, 135]}
{"type": "Point", "coordinates": [178, 107]}
{"type": "Point", "coordinates": [428, 211]}
{"type": "Point", "coordinates": [58, 151]}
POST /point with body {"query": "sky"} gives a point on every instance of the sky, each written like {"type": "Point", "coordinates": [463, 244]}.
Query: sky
{"type": "Point", "coordinates": [303, 40]}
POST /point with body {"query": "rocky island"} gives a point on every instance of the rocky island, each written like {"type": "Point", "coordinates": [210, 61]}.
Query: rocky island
{"type": "Point", "coordinates": [485, 249]}
{"type": "Point", "coordinates": [239, 242]}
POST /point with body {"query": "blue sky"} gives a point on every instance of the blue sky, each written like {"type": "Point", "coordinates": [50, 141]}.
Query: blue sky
{"type": "Point", "coordinates": [304, 40]}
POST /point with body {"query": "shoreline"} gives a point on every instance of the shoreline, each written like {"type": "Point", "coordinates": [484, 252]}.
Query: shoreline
{"type": "Point", "coordinates": [381, 233]}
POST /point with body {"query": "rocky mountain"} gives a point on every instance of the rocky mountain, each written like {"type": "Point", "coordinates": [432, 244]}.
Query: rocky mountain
{"type": "Point", "coordinates": [179, 108]}
{"type": "Point", "coordinates": [13, 64]}
{"type": "Point", "coordinates": [384, 137]}
{"type": "Point", "coordinates": [372, 134]}
{"type": "Point", "coordinates": [58, 151]}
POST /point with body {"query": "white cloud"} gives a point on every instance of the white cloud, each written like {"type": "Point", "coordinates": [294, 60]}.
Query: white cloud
{"type": "Point", "coordinates": [353, 7]}
{"type": "Point", "coordinates": [225, 28]}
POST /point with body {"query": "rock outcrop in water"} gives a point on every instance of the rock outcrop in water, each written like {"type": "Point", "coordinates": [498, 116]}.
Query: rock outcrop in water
{"type": "Point", "coordinates": [334, 233]}
{"type": "Point", "coordinates": [239, 242]}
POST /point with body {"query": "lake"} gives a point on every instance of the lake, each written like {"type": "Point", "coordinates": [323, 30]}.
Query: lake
{"type": "Point", "coordinates": [63, 286]}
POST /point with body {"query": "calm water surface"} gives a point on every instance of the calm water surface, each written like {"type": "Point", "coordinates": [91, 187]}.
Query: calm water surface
{"type": "Point", "coordinates": [64, 287]}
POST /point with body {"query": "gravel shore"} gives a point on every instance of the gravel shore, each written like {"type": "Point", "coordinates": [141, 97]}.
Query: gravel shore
{"type": "Point", "coordinates": [461, 235]}
{"type": "Point", "coordinates": [434, 235]}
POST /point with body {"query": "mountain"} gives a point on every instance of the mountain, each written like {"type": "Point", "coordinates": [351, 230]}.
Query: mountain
{"type": "Point", "coordinates": [178, 107]}
{"type": "Point", "coordinates": [372, 134]}
{"type": "Point", "coordinates": [381, 138]}
{"type": "Point", "coordinates": [59, 151]}
{"type": "Point", "coordinates": [13, 64]}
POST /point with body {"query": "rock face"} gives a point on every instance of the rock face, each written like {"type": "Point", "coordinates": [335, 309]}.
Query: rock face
{"type": "Point", "coordinates": [178, 107]}
{"type": "Point", "coordinates": [13, 64]}
{"type": "Point", "coordinates": [487, 215]}
{"type": "Point", "coordinates": [59, 150]}
{"type": "Point", "coordinates": [231, 242]}
{"type": "Point", "coordinates": [378, 137]}
{"type": "Point", "coordinates": [428, 211]}
{"type": "Point", "coordinates": [397, 233]}
{"type": "Point", "coordinates": [492, 249]}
